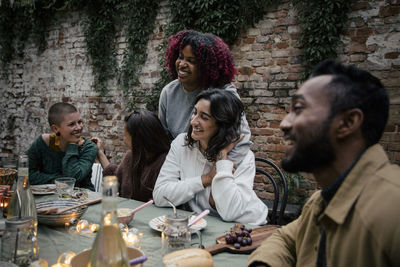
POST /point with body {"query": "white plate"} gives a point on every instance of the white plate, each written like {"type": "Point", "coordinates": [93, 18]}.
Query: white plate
{"type": "Point", "coordinates": [158, 224]}
{"type": "Point", "coordinates": [43, 189]}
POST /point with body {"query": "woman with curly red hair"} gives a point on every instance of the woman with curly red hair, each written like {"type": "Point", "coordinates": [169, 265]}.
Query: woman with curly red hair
{"type": "Point", "coordinates": [197, 61]}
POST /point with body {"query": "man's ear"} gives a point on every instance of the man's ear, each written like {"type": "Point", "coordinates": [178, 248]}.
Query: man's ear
{"type": "Point", "coordinates": [348, 122]}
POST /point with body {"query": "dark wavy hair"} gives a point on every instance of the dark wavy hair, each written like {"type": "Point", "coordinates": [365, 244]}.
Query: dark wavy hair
{"type": "Point", "coordinates": [351, 88]}
{"type": "Point", "coordinates": [227, 110]}
{"type": "Point", "coordinates": [149, 140]}
{"type": "Point", "coordinates": [213, 57]}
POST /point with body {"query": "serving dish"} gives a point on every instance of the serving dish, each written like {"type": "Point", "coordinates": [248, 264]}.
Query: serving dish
{"type": "Point", "coordinates": [62, 218]}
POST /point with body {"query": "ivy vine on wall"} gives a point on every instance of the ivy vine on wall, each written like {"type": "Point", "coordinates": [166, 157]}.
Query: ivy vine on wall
{"type": "Point", "coordinates": [321, 22]}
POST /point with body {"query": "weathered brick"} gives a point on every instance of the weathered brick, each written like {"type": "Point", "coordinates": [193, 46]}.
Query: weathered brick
{"type": "Point", "coordinates": [387, 11]}
{"type": "Point", "coordinates": [282, 45]}
{"type": "Point", "coordinates": [392, 55]}
{"type": "Point", "coordinates": [249, 40]}
{"type": "Point", "coordinates": [261, 131]}
{"type": "Point", "coordinates": [357, 57]}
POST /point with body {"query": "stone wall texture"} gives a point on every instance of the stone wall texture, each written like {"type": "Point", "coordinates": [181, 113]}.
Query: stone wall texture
{"type": "Point", "coordinates": [267, 58]}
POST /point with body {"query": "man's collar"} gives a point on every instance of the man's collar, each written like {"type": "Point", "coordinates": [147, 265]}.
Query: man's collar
{"type": "Point", "coordinates": [347, 194]}
{"type": "Point", "coordinates": [328, 192]}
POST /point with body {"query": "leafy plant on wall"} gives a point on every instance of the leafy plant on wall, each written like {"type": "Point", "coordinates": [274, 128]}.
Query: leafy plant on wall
{"type": "Point", "coordinates": [321, 22]}
{"type": "Point", "coordinates": [18, 23]}
{"type": "Point", "coordinates": [100, 32]}
{"type": "Point", "coordinates": [138, 17]}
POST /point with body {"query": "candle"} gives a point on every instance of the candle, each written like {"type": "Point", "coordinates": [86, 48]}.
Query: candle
{"type": "Point", "coordinates": [94, 227]}
{"type": "Point", "coordinates": [65, 259]}
{"type": "Point", "coordinates": [82, 225]}
{"type": "Point", "coordinates": [5, 200]}
{"type": "Point", "coordinates": [132, 237]}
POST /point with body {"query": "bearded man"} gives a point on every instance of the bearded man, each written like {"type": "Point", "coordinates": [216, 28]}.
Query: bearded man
{"type": "Point", "coordinates": [337, 118]}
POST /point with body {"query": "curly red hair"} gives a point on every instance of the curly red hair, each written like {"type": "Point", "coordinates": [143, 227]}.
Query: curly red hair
{"type": "Point", "coordinates": [213, 57]}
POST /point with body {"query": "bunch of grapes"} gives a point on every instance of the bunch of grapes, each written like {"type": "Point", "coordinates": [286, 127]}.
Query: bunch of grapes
{"type": "Point", "coordinates": [239, 236]}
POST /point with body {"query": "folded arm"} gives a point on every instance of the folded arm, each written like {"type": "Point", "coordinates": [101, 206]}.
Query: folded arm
{"type": "Point", "coordinates": [170, 183]}
{"type": "Point", "coordinates": [78, 163]}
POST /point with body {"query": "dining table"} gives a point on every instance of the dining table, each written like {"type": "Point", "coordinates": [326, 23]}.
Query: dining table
{"type": "Point", "coordinates": [53, 241]}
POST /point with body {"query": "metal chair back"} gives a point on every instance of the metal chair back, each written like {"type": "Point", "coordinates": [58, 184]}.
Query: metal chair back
{"type": "Point", "coordinates": [264, 170]}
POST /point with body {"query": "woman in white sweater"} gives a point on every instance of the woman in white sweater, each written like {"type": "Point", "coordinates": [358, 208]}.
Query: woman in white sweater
{"type": "Point", "coordinates": [197, 170]}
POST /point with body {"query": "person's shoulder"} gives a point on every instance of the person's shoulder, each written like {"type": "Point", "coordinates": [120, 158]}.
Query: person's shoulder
{"type": "Point", "coordinates": [171, 87]}
{"type": "Point", "coordinates": [376, 204]}
{"type": "Point", "coordinates": [390, 174]}
{"type": "Point", "coordinates": [248, 157]}
{"type": "Point", "coordinates": [230, 87]}
{"type": "Point", "coordinates": [45, 138]}
{"type": "Point", "coordinates": [180, 139]}
{"type": "Point", "coordinates": [41, 141]}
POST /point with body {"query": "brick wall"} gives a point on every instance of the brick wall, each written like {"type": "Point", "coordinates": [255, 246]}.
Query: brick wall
{"type": "Point", "coordinates": [266, 55]}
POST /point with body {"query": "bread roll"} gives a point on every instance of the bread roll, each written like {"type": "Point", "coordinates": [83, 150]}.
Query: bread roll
{"type": "Point", "coordinates": [191, 257]}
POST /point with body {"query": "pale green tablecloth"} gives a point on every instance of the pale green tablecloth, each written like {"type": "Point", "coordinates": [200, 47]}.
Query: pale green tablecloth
{"type": "Point", "coordinates": [54, 241]}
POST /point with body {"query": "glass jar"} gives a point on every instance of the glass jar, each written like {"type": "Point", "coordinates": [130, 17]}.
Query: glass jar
{"type": "Point", "coordinates": [19, 243]}
{"type": "Point", "coordinates": [176, 234]}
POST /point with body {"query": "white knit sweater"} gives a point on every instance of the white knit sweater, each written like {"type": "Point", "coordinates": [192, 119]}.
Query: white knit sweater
{"type": "Point", "coordinates": [180, 181]}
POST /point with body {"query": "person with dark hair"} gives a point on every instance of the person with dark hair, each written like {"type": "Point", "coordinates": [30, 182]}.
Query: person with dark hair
{"type": "Point", "coordinates": [197, 61]}
{"type": "Point", "coordinates": [63, 153]}
{"type": "Point", "coordinates": [148, 145]}
{"type": "Point", "coordinates": [337, 118]}
{"type": "Point", "coordinates": [197, 170]}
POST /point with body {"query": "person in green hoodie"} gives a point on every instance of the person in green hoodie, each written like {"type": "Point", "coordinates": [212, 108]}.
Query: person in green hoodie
{"type": "Point", "coordinates": [63, 153]}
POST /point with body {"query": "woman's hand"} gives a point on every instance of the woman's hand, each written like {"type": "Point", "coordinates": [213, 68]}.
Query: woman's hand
{"type": "Point", "coordinates": [101, 156]}
{"type": "Point", "coordinates": [81, 141]}
{"type": "Point", "coordinates": [98, 142]}
{"type": "Point", "coordinates": [206, 179]}
{"type": "Point", "coordinates": [223, 154]}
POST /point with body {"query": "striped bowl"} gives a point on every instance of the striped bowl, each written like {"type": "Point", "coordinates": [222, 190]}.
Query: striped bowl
{"type": "Point", "coordinates": [62, 218]}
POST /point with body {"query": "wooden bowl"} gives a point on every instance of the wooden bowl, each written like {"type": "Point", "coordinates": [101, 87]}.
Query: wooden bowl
{"type": "Point", "coordinates": [82, 259]}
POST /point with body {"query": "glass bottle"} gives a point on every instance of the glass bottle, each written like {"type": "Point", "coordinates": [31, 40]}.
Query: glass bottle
{"type": "Point", "coordinates": [109, 248]}
{"type": "Point", "coordinates": [22, 203]}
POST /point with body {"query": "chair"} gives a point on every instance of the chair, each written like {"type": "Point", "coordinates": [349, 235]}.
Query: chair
{"type": "Point", "coordinates": [266, 169]}
{"type": "Point", "coordinates": [97, 176]}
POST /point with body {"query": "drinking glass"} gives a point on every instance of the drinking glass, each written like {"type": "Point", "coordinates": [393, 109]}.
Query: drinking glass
{"type": "Point", "coordinates": [9, 163]}
{"type": "Point", "coordinates": [176, 234]}
{"type": "Point", "coordinates": [65, 186]}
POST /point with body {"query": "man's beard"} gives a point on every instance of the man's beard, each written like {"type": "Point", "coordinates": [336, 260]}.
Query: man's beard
{"type": "Point", "coordinates": [309, 156]}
